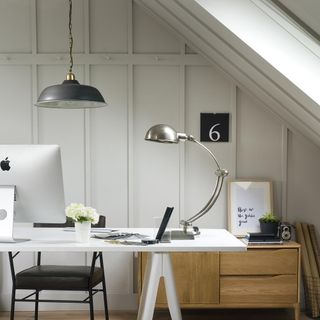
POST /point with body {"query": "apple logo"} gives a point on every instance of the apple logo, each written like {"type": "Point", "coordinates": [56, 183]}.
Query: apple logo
{"type": "Point", "coordinates": [4, 164]}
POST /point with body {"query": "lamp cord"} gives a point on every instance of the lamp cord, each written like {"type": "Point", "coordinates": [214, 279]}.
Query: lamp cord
{"type": "Point", "coordinates": [70, 36]}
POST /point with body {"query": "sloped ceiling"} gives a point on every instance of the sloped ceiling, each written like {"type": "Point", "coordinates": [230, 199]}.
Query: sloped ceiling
{"type": "Point", "coordinates": [255, 44]}
{"type": "Point", "coordinates": [305, 13]}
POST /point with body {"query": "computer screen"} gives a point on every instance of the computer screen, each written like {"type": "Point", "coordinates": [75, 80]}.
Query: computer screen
{"type": "Point", "coordinates": [35, 171]}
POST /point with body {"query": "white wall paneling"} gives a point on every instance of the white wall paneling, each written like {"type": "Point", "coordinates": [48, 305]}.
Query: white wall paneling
{"type": "Point", "coordinates": [284, 174]}
{"type": "Point", "coordinates": [52, 26]}
{"type": "Point", "coordinates": [206, 91]}
{"type": "Point", "coordinates": [15, 26]}
{"type": "Point", "coordinates": [182, 128]}
{"type": "Point", "coordinates": [108, 140]}
{"type": "Point", "coordinates": [147, 76]}
{"type": "Point", "coordinates": [259, 145]}
{"type": "Point", "coordinates": [303, 170]}
{"type": "Point", "coordinates": [16, 104]}
{"type": "Point", "coordinates": [130, 146]}
{"type": "Point", "coordinates": [150, 36]}
{"type": "Point", "coordinates": [105, 18]}
{"type": "Point", "coordinates": [156, 166]}
{"type": "Point", "coordinates": [87, 119]}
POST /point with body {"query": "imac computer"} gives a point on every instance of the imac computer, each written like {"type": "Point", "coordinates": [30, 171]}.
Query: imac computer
{"type": "Point", "coordinates": [31, 186]}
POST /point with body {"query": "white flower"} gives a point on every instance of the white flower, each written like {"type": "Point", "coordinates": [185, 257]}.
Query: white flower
{"type": "Point", "coordinates": [79, 213]}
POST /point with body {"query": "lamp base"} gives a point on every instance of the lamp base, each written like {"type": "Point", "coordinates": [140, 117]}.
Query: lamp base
{"type": "Point", "coordinates": [181, 235]}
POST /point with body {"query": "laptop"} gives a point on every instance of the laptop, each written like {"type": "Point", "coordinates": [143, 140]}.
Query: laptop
{"type": "Point", "coordinates": [161, 236]}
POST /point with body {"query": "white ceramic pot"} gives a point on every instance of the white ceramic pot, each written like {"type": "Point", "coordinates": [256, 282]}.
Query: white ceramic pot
{"type": "Point", "coordinates": [82, 231]}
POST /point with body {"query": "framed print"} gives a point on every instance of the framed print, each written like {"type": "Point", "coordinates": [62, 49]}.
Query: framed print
{"type": "Point", "coordinates": [247, 202]}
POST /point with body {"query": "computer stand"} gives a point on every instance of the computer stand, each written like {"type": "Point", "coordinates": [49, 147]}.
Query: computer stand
{"type": "Point", "coordinates": [7, 197]}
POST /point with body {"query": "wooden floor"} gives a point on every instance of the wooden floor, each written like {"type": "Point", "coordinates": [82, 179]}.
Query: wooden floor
{"type": "Point", "coordinates": [231, 314]}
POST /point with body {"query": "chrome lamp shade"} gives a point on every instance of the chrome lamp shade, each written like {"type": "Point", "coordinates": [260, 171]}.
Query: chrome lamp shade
{"type": "Point", "coordinates": [166, 134]}
{"type": "Point", "coordinates": [70, 95]}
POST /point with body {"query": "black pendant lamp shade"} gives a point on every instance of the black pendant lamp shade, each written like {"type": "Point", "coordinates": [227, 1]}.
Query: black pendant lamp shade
{"type": "Point", "coordinates": [70, 94]}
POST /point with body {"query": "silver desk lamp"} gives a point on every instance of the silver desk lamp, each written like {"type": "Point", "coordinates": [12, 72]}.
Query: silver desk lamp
{"type": "Point", "coordinates": [166, 134]}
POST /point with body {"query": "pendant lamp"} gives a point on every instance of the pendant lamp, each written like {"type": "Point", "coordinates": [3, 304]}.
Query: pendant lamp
{"type": "Point", "coordinates": [70, 94]}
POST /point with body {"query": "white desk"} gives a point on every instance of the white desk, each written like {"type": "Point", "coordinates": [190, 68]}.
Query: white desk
{"type": "Point", "coordinates": [158, 264]}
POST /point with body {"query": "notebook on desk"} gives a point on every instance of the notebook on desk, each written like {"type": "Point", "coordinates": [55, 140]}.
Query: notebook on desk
{"type": "Point", "coordinates": [93, 230]}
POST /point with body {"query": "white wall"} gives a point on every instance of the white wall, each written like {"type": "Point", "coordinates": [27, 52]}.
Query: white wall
{"type": "Point", "coordinates": [147, 77]}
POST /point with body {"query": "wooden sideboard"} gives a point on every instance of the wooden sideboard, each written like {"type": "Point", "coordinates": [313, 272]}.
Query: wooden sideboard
{"type": "Point", "coordinates": [265, 276]}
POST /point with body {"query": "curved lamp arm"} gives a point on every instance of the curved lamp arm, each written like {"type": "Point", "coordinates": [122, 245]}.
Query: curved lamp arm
{"type": "Point", "coordinates": [221, 174]}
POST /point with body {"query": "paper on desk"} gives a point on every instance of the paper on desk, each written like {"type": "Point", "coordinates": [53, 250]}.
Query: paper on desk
{"type": "Point", "coordinates": [93, 230]}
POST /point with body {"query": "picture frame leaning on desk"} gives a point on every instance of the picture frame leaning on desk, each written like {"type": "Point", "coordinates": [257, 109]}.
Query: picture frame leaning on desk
{"type": "Point", "coordinates": [248, 201]}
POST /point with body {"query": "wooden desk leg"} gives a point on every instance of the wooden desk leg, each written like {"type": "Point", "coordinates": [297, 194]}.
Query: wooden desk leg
{"type": "Point", "coordinates": [158, 265]}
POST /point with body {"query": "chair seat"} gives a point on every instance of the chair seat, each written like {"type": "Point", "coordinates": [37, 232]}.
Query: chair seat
{"type": "Point", "coordinates": [55, 277]}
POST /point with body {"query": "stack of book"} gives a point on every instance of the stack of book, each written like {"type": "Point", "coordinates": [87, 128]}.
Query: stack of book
{"type": "Point", "coordinates": [262, 238]}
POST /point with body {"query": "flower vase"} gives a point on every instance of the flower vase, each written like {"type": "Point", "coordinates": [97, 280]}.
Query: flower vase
{"type": "Point", "coordinates": [82, 231]}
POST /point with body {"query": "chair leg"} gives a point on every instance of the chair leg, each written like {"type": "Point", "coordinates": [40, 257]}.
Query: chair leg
{"type": "Point", "coordinates": [13, 298]}
{"type": "Point", "coordinates": [36, 306]}
{"type": "Point", "coordinates": [104, 288]}
{"type": "Point", "coordinates": [105, 301]}
{"type": "Point", "coordinates": [91, 304]}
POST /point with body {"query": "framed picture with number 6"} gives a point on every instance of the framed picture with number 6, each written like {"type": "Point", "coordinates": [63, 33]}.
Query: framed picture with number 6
{"type": "Point", "coordinates": [214, 127]}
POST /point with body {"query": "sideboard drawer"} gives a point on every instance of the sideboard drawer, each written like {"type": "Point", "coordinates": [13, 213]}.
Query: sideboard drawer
{"type": "Point", "coordinates": [258, 289]}
{"type": "Point", "coordinates": [259, 262]}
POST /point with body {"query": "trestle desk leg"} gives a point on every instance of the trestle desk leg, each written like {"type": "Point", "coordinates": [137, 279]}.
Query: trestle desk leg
{"type": "Point", "coordinates": [158, 265]}
{"type": "Point", "coordinates": [171, 292]}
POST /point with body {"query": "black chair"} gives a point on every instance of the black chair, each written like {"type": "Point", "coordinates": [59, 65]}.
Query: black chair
{"type": "Point", "coordinates": [59, 277]}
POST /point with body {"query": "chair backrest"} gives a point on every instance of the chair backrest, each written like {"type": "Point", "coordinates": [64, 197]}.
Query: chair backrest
{"type": "Point", "coordinates": [69, 223]}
